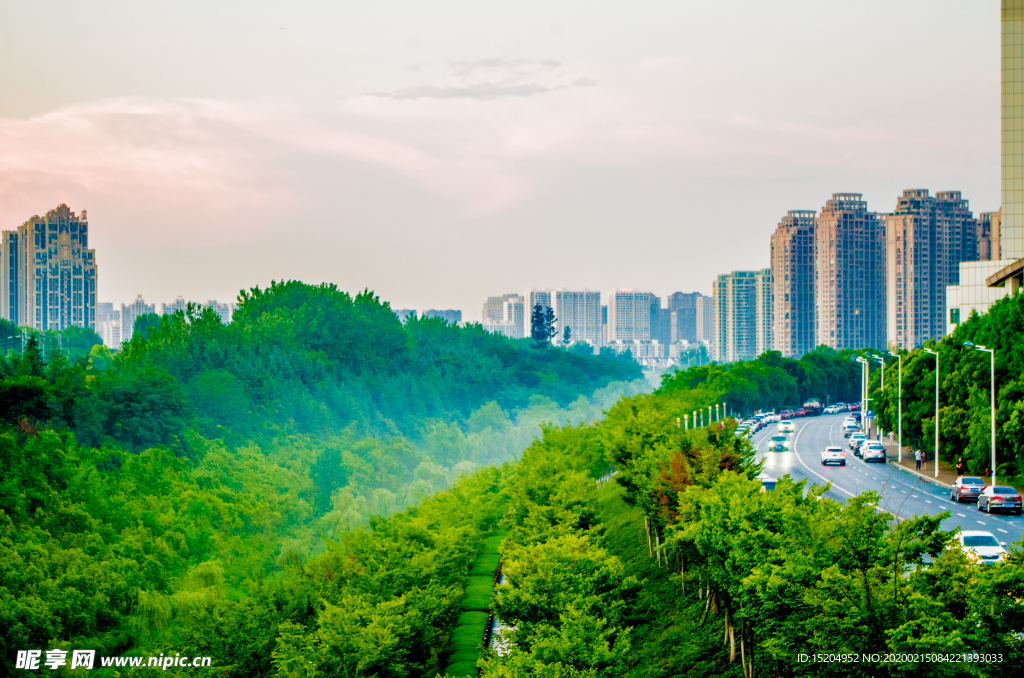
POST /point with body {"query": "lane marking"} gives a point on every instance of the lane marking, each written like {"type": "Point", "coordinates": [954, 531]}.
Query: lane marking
{"type": "Point", "coordinates": [926, 501]}
{"type": "Point", "coordinates": [915, 496]}
{"type": "Point", "coordinates": [961, 515]}
{"type": "Point", "coordinates": [1002, 530]}
{"type": "Point", "coordinates": [981, 522]}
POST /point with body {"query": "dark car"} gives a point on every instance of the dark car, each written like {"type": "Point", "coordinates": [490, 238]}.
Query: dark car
{"type": "Point", "coordinates": [966, 488]}
{"type": "Point", "coordinates": [999, 498]}
{"type": "Point", "coordinates": [800, 412]}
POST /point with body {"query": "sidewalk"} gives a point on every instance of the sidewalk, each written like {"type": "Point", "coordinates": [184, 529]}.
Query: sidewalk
{"type": "Point", "coordinates": [947, 472]}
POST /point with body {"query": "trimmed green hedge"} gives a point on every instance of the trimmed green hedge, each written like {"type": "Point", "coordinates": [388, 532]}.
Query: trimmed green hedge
{"type": "Point", "coordinates": [476, 601]}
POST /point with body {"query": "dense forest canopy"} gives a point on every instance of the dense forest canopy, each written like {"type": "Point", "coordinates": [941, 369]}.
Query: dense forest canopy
{"type": "Point", "coordinates": [146, 494]}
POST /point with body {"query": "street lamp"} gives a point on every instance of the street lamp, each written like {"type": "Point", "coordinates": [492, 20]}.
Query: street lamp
{"type": "Point", "coordinates": [936, 461]}
{"type": "Point", "coordinates": [863, 389]}
{"type": "Point", "coordinates": [992, 354]}
{"type": "Point", "coordinates": [899, 407]}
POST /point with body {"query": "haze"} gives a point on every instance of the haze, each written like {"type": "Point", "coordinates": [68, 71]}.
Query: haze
{"type": "Point", "coordinates": [438, 153]}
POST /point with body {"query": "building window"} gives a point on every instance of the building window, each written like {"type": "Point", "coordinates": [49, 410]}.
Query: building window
{"type": "Point", "coordinates": [954, 316]}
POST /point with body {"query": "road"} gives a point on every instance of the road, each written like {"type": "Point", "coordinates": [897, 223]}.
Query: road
{"type": "Point", "coordinates": [902, 494]}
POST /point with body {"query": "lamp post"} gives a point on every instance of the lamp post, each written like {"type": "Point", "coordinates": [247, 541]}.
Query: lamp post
{"type": "Point", "coordinates": [992, 355]}
{"type": "Point", "coordinates": [936, 460]}
{"type": "Point", "coordinates": [899, 407]}
{"type": "Point", "coordinates": [863, 390]}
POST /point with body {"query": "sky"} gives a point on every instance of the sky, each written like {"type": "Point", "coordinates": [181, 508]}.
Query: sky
{"type": "Point", "coordinates": [439, 153]}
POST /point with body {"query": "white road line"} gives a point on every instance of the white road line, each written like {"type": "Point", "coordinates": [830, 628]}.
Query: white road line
{"type": "Point", "coordinates": [981, 522]}
{"type": "Point", "coordinates": [961, 515]}
{"type": "Point", "coordinates": [1002, 530]}
{"type": "Point", "coordinates": [926, 501]}
{"type": "Point", "coordinates": [915, 496]}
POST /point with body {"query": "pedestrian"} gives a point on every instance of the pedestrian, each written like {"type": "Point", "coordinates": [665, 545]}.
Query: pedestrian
{"type": "Point", "coordinates": [959, 467]}
{"type": "Point", "coordinates": [917, 458]}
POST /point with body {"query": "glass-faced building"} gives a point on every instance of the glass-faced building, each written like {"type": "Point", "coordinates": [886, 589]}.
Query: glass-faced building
{"type": "Point", "coordinates": [48, 278]}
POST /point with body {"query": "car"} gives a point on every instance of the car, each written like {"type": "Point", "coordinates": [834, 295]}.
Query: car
{"type": "Point", "coordinates": [999, 498]}
{"type": "Point", "coordinates": [981, 546]}
{"type": "Point", "coordinates": [786, 427]}
{"type": "Point", "coordinates": [840, 407]}
{"type": "Point", "coordinates": [855, 440]}
{"type": "Point", "coordinates": [799, 412]}
{"type": "Point", "coordinates": [778, 444]}
{"type": "Point", "coordinates": [849, 428]}
{"type": "Point", "coordinates": [833, 455]}
{"type": "Point", "coordinates": [831, 409]}
{"type": "Point", "coordinates": [786, 414]}
{"type": "Point", "coordinates": [854, 407]}
{"type": "Point", "coordinates": [966, 488]}
{"type": "Point", "coordinates": [872, 450]}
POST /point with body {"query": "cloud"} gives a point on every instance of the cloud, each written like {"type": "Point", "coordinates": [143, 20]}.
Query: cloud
{"type": "Point", "coordinates": [464, 69]}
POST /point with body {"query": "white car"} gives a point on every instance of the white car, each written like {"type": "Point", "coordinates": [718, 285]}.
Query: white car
{"type": "Point", "coordinates": [982, 546]}
{"type": "Point", "coordinates": [855, 440]}
{"type": "Point", "coordinates": [872, 450]}
{"type": "Point", "coordinates": [778, 444]}
{"type": "Point", "coordinates": [831, 409]}
{"type": "Point", "coordinates": [786, 426]}
{"type": "Point", "coordinates": [833, 455]}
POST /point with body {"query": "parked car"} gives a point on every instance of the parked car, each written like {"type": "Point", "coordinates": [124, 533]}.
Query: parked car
{"type": "Point", "coordinates": [849, 428]}
{"type": "Point", "coordinates": [855, 440]}
{"type": "Point", "coordinates": [999, 498]}
{"type": "Point", "coordinates": [786, 414]}
{"type": "Point", "coordinates": [966, 488]}
{"type": "Point", "coordinates": [786, 427]}
{"type": "Point", "coordinates": [799, 412]}
{"type": "Point", "coordinates": [872, 450]}
{"type": "Point", "coordinates": [841, 407]}
{"type": "Point", "coordinates": [778, 444]}
{"type": "Point", "coordinates": [854, 407]}
{"type": "Point", "coordinates": [833, 455]}
{"type": "Point", "coordinates": [982, 546]}
{"type": "Point", "coordinates": [831, 409]}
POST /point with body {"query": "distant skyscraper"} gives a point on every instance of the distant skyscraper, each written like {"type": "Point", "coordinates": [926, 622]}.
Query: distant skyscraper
{"type": "Point", "coordinates": [684, 323]}
{"type": "Point", "coordinates": [735, 296]}
{"type": "Point", "coordinates": [405, 313]}
{"type": "Point", "coordinates": [494, 307]}
{"type": "Point", "coordinates": [224, 310]}
{"type": "Point", "coordinates": [629, 315]}
{"type": "Point", "coordinates": [178, 304]}
{"type": "Point", "coordinates": [763, 310]}
{"type": "Point", "coordinates": [108, 324]}
{"type": "Point", "coordinates": [704, 312]}
{"type": "Point", "coordinates": [129, 312]}
{"type": "Point", "coordinates": [453, 316]}
{"type": "Point", "coordinates": [512, 320]}
{"type": "Point", "coordinates": [926, 239]}
{"type": "Point", "coordinates": [849, 291]}
{"type": "Point", "coordinates": [989, 248]}
{"type": "Point", "coordinates": [579, 310]}
{"type": "Point", "coordinates": [792, 297]}
{"type": "Point", "coordinates": [48, 276]}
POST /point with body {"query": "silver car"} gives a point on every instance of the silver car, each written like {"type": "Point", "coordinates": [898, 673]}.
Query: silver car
{"type": "Point", "coordinates": [967, 488]}
{"type": "Point", "coordinates": [999, 498]}
{"type": "Point", "coordinates": [872, 450]}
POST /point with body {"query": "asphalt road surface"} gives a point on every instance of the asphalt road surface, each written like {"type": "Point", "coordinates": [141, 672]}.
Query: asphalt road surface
{"type": "Point", "coordinates": [902, 494]}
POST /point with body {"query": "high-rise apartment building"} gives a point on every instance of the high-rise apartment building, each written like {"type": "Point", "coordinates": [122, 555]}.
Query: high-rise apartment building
{"type": "Point", "coordinates": [763, 311]}
{"type": "Point", "coordinates": [129, 312]}
{"type": "Point", "coordinates": [405, 313]}
{"type": "Point", "coordinates": [453, 316]}
{"type": "Point", "coordinates": [683, 321]}
{"type": "Point", "coordinates": [179, 304]}
{"type": "Point", "coordinates": [533, 299]}
{"type": "Point", "coordinates": [108, 324]}
{"type": "Point", "coordinates": [989, 247]}
{"type": "Point", "coordinates": [926, 239]}
{"type": "Point", "coordinates": [735, 297]}
{"type": "Point", "coordinates": [849, 290]}
{"type": "Point", "coordinates": [704, 318]}
{"type": "Point", "coordinates": [494, 307]}
{"type": "Point", "coordinates": [630, 314]}
{"type": "Point", "coordinates": [792, 298]}
{"type": "Point", "coordinates": [225, 310]}
{"type": "Point", "coordinates": [580, 311]}
{"type": "Point", "coordinates": [48, 276]}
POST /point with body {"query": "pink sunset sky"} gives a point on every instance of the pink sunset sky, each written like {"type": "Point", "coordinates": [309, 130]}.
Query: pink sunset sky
{"type": "Point", "coordinates": [438, 153]}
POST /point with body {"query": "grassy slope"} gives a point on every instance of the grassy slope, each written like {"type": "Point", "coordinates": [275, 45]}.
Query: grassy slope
{"type": "Point", "coordinates": [666, 638]}
{"type": "Point", "coordinates": [472, 621]}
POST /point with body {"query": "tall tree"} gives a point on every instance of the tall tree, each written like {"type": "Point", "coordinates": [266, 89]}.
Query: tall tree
{"type": "Point", "coordinates": [543, 325]}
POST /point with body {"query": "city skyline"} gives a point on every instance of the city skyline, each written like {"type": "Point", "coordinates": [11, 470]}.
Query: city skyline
{"type": "Point", "coordinates": [506, 146]}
